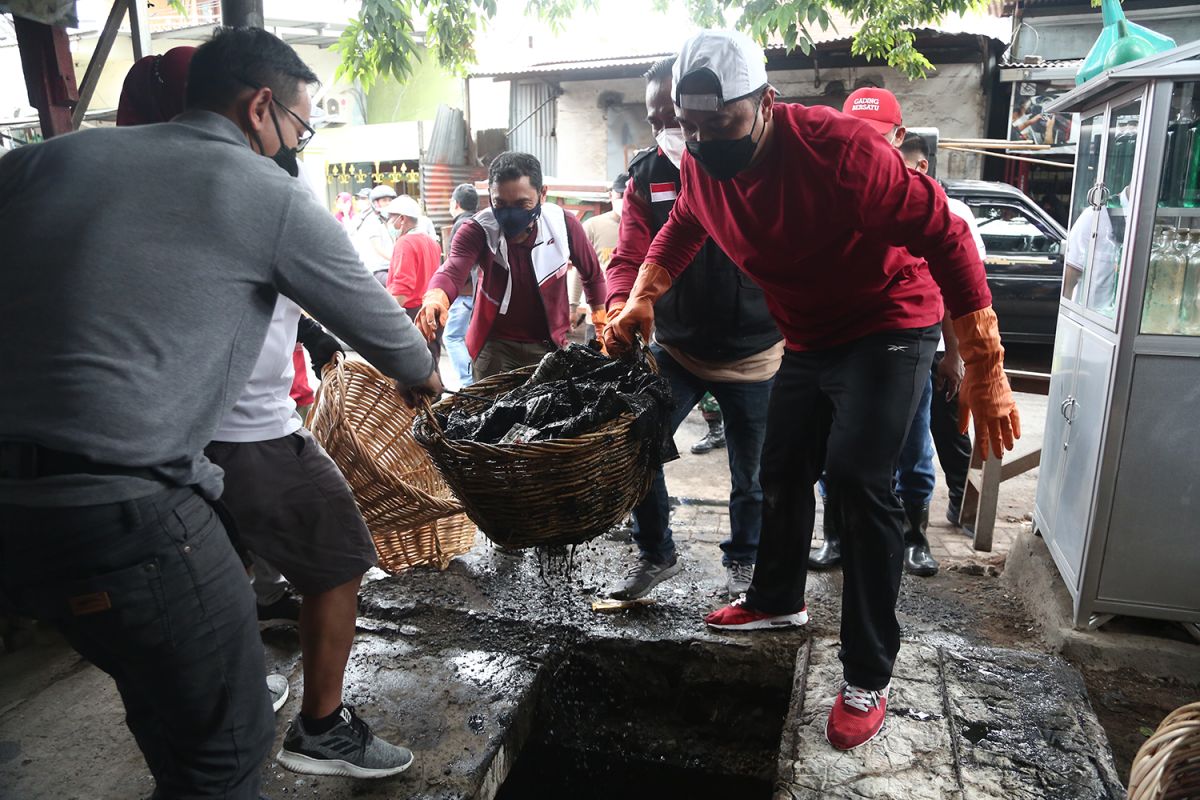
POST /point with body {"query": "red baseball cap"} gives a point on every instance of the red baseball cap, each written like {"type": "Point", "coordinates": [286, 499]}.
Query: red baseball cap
{"type": "Point", "coordinates": [879, 108]}
{"type": "Point", "coordinates": [154, 88]}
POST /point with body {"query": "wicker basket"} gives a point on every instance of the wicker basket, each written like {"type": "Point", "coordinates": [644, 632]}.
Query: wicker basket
{"type": "Point", "coordinates": [557, 492]}
{"type": "Point", "coordinates": [1167, 767]}
{"type": "Point", "coordinates": [413, 518]}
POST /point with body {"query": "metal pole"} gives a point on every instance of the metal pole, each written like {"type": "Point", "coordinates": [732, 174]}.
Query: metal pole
{"type": "Point", "coordinates": [242, 13]}
{"type": "Point", "coordinates": [49, 73]}
{"type": "Point", "coordinates": [139, 29]}
{"type": "Point", "coordinates": [104, 43]}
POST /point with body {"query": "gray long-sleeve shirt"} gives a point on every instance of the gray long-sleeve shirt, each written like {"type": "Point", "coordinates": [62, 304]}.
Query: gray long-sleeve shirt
{"type": "Point", "coordinates": [138, 271]}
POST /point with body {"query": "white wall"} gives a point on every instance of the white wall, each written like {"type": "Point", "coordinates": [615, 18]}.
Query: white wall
{"type": "Point", "coordinates": [489, 103]}
{"type": "Point", "coordinates": [582, 130]}
{"type": "Point", "coordinates": [950, 99]}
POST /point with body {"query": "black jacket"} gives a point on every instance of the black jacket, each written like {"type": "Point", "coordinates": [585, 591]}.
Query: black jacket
{"type": "Point", "coordinates": [713, 311]}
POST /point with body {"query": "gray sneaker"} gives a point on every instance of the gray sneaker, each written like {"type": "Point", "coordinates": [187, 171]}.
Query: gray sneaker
{"type": "Point", "coordinates": [277, 685]}
{"type": "Point", "coordinates": [737, 578]}
{"type": "Point", "coordinates": [349, 749]}
{"type": "Point", "coordinates": [643, 576]}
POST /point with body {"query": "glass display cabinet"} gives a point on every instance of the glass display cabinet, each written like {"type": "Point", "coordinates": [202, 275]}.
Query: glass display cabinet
{"type": "Point", "coordinates": [1118, 497]}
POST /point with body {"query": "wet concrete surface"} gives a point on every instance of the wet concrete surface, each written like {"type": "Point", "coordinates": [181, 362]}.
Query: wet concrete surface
{"type": "Point", "coordinates": [458, 665]}
{"type": "Point", "coordinates": [963, 722]}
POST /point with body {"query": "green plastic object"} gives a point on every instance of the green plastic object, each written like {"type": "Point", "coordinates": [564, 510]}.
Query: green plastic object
{"type": "Point", "coordinates": [1126, 48]}
{"type": "Point", "coordinates": [1116, 29]}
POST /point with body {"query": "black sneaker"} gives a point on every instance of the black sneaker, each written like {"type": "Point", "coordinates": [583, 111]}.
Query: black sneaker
{"type": "Point", "coordinates": [284, 611]}
{"type": "Point", "coordinates": [967, 528]}
{"type": "Point", "coordinates": [348, 749]}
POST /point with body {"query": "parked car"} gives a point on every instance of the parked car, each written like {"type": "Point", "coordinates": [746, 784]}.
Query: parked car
{"type": "Point", "coordinates": [1025, 247]}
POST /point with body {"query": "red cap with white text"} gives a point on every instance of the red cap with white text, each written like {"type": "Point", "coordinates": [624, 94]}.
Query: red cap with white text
{"type": "Point", "coordinates": [879, 108]}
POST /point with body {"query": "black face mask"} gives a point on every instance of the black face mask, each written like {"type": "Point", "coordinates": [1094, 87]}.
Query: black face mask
{"type": "Point", "coordinates": [515, 221]}
{"type": "Point", "coordinates": [723, 159]}
{"type": "Point", "coordinates": [285, 157]}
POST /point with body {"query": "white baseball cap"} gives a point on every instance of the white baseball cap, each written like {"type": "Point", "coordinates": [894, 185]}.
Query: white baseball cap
{"type": "Point", "coordinates": [732, 58]}
{"type": "Point", "coordinates": [381, 192]}
{"type": "Point", "coordinates": [404, 206]}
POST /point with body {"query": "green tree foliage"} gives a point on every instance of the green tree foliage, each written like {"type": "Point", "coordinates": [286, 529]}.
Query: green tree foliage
{"type": "Point", "coordinates": [381, 42]}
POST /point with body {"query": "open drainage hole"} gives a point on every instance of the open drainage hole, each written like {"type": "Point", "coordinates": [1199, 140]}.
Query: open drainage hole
{"type": "Point", "coordinates": [661, 720]}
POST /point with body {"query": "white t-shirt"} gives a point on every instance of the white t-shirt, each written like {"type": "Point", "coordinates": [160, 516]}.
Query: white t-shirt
{"type": "Point", "coordinates": [960, 209]}
{"type": "Point", "coordinates": [1104, 282]}
{"type": "Point", "coordinates": [265, 410]}
{"type": "Point", "coordinates": [963, 211]}
{"type": "Point", "coordinates": [370, 230]}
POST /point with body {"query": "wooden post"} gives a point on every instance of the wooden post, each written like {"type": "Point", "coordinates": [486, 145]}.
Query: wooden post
{"type": "Point", "coordinates": [49, 73]}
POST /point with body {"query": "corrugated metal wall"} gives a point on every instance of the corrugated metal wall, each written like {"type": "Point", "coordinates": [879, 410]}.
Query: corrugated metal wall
{"type": "Point", "coordinates": [437, 183]}
{"type": "Point", "coordinates": [536, 135]}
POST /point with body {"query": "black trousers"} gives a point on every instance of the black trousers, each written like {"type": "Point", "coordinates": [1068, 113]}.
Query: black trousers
{"type": "Point", "coordinates": [846, 409]}
{"type": "Point", "coordinates": [151, 592]}
{"type": "Point", "coordinates": [953, 448]}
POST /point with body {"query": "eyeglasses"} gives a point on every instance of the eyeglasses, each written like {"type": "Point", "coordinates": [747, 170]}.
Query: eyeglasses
{"type": "Point", "coordinates": [308, 132]}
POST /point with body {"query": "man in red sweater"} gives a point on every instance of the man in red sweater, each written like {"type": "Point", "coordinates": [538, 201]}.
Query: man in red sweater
{"type": "Point", "coordinates": [522, 245]}
{"type": "Point", "coordinates": [415, 257]}
{"type": "Point", "coordinates": [850, 248]}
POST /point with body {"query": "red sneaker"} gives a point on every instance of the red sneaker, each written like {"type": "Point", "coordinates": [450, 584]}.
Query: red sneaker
{"type": "Point", "coordinates": [856, 718]}
{"type": "Point", "coordinates": [738, 617]}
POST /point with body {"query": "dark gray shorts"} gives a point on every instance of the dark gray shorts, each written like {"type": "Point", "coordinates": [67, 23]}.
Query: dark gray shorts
{"type": "Point", "coordinates": [294, 509]}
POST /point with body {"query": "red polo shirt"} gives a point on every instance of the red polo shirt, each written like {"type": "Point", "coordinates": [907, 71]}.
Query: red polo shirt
{"type": "Point", "coordinates": [843, 238]}
{"type": "Point", "coordinates": [415, 258]}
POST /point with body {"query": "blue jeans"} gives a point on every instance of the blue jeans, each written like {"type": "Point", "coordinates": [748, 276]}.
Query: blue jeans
{"type": "Point", "coordinates": [151, 592]}
{"type": "Point", "coordinates": [745, 408]}
{"type": "Point", "coordinates": [455, 337]}
{"type": "Point", "coordinates": [915, 478]}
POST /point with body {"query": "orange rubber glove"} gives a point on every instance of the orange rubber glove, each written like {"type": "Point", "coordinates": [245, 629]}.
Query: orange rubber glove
{"type": "Point", "coordinates": [599, 320]}
{"type": "Point", "coordinates": [985, 393]}
{"type": "Point", "coordinates": [637, 314]}
{"type": "Point", "coordinates": [435, 310]}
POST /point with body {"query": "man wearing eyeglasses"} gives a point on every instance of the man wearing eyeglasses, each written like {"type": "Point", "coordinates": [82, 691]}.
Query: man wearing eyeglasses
{"type": "Point", "coordinates": [134, 334]}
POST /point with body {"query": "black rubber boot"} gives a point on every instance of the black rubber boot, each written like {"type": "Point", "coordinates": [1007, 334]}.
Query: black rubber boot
{"type": "Point", "coordinates": [713, 440]}
{"type": "Point", "coordinates": [829, 554]}
{"type": "Point", "coordinates": [917, 558]}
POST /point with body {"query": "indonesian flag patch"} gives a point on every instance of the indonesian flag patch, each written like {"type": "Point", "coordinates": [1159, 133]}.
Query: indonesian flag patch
{"type": "Point", "coordinates": [662, 191]}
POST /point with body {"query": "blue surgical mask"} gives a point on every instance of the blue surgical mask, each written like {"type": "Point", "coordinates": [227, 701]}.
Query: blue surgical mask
{"type": "Point", "coordinates": [515, 221]}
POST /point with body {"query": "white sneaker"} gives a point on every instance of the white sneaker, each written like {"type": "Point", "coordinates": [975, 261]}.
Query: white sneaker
{"type": "Point", "coordinates": [277, 685]}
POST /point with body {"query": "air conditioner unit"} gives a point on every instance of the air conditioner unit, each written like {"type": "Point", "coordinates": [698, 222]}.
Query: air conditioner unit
{"type": "Point", "coordinates": [335, 110]}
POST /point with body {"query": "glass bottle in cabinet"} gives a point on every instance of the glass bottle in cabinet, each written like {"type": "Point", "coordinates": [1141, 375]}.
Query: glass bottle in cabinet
{"type": "Point", "coordinates": [1181, 171]}
{"type": "Point", "coordinates": [1189, 312]}
{"type": "Point", "coordinates": [1164, 284]}
{"type": "Point", "coordinates": [1190, 197]}
{"type": "Point", "coordinates": [1181, 138]}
